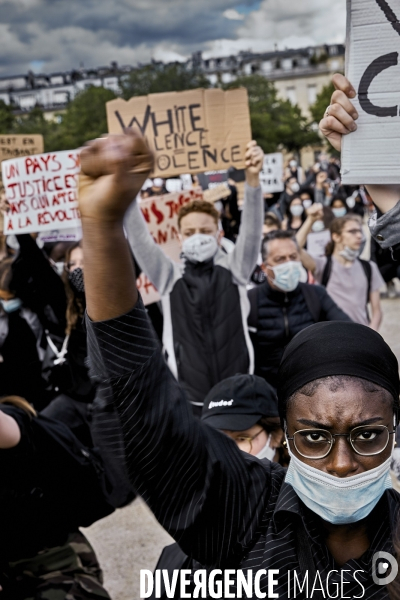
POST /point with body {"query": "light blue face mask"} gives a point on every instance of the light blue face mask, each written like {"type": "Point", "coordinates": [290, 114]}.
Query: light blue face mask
{"type": "Point", "coordinates": [10, 306]}
{"type": "Point", "coordinates": [287, 275]}
{"type": "Point", "coordinates": [335, 499]}
{"type": "Point", "coordinates": [339, 212]}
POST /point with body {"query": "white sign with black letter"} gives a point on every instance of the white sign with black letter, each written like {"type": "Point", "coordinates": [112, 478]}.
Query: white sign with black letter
{"type": "Point", "coordinates": [271, 176]}
{"type": "Point", "coordinates": [372, 153]}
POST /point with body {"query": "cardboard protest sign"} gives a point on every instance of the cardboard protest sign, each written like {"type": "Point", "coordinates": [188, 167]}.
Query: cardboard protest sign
{"type": "Point", "coordinates": [161, 216]}
{"type": "Point", "coordinates": [372, 153]}
{"type": "Point", "coordinates": [15, 146]}
{"type": "Point", "coordinates": [189, 132]}
{"type": "Point", "coordinates": [216, 193]}
{"type": "Point", "coordinates": [271, 176]}
{"type": "Point", "coordinates": [42, 192]}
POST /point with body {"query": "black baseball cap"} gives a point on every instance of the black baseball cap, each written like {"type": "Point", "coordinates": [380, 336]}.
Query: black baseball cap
{"type": "Point", "coordinates": [239, 402]}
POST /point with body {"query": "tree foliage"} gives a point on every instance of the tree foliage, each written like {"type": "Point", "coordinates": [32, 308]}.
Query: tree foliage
{"type": "Point", "coordinates": [322, 102]}
{"type": "Point", "coordinates": [84, 119]}
{"type": "Point", "coordinates": [159, 77]}
{"type": "Point", "coordinates": [275, 123]}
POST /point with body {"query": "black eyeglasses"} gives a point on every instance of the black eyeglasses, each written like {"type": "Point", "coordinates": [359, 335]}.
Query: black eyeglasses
{"type": "Point", "coordinates": [366, 440]}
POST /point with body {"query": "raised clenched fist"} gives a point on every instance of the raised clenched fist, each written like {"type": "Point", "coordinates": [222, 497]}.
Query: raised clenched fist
{"type": "Point", "coordinates": [113, 170]}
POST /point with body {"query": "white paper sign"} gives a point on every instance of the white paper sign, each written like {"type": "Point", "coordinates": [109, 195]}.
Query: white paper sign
{"type": "Point", "coordinates": [271, 176]}
{"type": "Point", "coordinates": [42, 192]}
{"type": "Point", "coordinates": [372, 153]}
{"type": "Point", "coordinates": [317, 242]}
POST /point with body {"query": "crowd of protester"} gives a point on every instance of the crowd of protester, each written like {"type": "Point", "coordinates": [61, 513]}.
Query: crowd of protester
{"type": "Point", "coordinates": [263, 351]}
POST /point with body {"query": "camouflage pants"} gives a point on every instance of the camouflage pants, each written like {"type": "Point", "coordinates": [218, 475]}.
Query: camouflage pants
{"type": "Point", "coordinates": [69, 572]}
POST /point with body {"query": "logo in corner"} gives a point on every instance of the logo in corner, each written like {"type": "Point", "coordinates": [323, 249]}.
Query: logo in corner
{"type": "Point", "coordinates": [384, 568]}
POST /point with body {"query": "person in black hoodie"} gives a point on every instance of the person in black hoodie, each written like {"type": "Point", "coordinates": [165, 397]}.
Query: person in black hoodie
{"type": "Point", "coordinates": [282, 306]}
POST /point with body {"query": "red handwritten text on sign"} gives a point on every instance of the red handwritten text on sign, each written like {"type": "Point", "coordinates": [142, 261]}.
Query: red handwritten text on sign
{"type": "Point", "coordinates": [42, 192]}
{"type": "Point", "coordinates": [161, 216]}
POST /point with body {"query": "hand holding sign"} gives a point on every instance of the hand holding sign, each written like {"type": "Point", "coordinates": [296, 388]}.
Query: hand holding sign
{"type": "Point", "coordinates": [340, 122]}
{"type": "Point", "coordinates": [113, 170]}
{"type": "Point", "coordinates": [340, 118]}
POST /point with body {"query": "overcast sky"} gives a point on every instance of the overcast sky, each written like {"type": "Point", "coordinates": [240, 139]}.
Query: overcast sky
{"type": "Point", "coordinates": [57, 35]}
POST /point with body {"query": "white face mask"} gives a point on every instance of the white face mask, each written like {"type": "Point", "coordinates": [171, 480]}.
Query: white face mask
{"type": "Point", "coordinates": [287, 275]}
{"type": "Point", "coordinates": [318, 226]}
{"type": "Point", "coordinates": [297, 210]}
{"type": "Point", "coordinates": [307, 203]}
{"type": "Point", "coordinates": [267, 451]}
{"type": "Point", "coordinates": [349, 254]}
{"type": "Point", "coordinates": [339, 212]}
{"type": "Point", "coordinates": [295, 187]}
{"type": "Point", "coordinates": [199, 247]}
{"type": "Point", "coordinates": [338, 500]}
{"type": "Point", "coordinates": [293, 164]}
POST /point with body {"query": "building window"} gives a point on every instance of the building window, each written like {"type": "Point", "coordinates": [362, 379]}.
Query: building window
{"type": "Point", "coordinates": [287, 64]}
{"type": "Point", "coordinates": [27, 101]}
{"type": "Point", "coordinates": [291, 95]}
{"type": "Point", "coordinates": [312, 94]}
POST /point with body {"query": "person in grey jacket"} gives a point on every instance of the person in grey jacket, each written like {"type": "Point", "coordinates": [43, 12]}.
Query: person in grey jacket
{"type": "Point", "coordinates": [204, 299]}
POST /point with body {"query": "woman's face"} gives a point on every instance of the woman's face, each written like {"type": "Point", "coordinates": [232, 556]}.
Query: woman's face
{"type": "Point", "coordinates": [254, 439]}
{"type": "Point", "coordinates": [75, 259]}
{"type": "Point", "coordinates": [339, 409]}
{"type": "Point", "coordinates": [338, 204]}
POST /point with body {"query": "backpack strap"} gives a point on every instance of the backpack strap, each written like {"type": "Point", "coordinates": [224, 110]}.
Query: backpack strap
{"type": "Point", "coordinates": [366, 265]}
{"type": "Point", "coordinates": [313, 300]}
{"type": "Point", "coordinates": [327, 272]}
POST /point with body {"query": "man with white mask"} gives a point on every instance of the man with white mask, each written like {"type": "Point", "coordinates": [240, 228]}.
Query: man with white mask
{"type": "Point", "coordinates": [204, 298]}
{"type": "Point", "coordinates": [283, 305]}
{"type": "Point", "coordinates": [331, 513]}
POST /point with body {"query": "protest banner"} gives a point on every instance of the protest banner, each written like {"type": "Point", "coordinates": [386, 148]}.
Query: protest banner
{"type": "Point", "coordinates": [15, 146]}
{"type": "Point", "coordinates": [73, 234]}
{"type": "Point", "coordinates": [212, 178]}
{"type": "Point", "coordinates": [189, 132]}
{"type": "Point", "coordinates": [271, 176]}
{"type": "Point", "coordinates": [42, 192]}
{"type": "Point", "coordinates": [371, 154]}
{"type": "Point", "coordinates": [218, 192]}
{"type": "Point", "coordinates": [161, 216]}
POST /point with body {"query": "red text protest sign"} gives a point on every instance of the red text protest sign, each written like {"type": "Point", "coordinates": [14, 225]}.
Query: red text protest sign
{"type": "Point", "coordinates": [161, 216]}
{"type": "Point", "coordinates": [42, 192]}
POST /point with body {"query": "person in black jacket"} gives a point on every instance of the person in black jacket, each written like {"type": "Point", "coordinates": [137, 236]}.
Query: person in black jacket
{"type": "Point", "coordinates": [282, 306]}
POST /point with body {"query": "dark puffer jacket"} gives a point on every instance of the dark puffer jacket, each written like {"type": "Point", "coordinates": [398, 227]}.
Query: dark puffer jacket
{"type": "Point", "coordinates": [214, 346]}
{"type": "Point", "coordinates": [276, 317]}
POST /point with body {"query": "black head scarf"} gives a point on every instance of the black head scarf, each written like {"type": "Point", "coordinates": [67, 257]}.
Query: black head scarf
{"type": "Point", "coordinates": [336, 348]}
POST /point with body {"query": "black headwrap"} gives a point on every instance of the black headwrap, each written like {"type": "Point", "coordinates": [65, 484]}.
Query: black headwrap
{"type": "Point", "coordinates": [336, 348]}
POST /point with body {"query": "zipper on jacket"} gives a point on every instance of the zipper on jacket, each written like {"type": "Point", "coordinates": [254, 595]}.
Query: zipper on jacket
{"type": "Point", "coordinates": [285, 316]}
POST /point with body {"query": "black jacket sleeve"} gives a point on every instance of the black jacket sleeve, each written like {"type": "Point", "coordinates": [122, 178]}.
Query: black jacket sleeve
{"type": "Point", "coordinates": [329, 309]}
{"type": "Point", "coordinates": [205, 492]}
{"type": "Point", "coordinates": [37, 283]}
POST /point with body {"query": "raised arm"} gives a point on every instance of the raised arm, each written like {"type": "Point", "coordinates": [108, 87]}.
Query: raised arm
{"type": "Point", "coordinates": [158, 267]}
{"type": "Point", "coordinates": [187, 472]}
{"type": "Point", "coordinates": [243, 259]}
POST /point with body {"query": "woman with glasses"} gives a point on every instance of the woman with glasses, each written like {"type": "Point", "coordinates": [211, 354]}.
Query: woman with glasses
{"type": "Point", "coordinates": [325, 521]}
{"type": "Point", "coordinates": [245, 408]}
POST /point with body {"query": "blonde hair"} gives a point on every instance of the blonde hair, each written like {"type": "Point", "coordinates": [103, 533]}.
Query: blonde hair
{"type": "Point", "coordinates": [21, 403]}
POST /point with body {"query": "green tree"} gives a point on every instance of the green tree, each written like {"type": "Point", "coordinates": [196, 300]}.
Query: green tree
{"type": "Point", "coordinates": [85, 119]}
{"type": "Point", "coordinates": [6, 118]}
{"type": "Point", "coordinates": [159, 77]}
{"type": "Point", "coordinates": [275, 123]}
{"type": "Point", "coordinates": [322, 102]}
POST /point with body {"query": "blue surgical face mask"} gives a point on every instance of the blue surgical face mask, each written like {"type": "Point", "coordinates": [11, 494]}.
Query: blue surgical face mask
{"type": "Point", "coordinates": [10, 306]}
{"type": "Point", "coordinates": [287, 275]}
{"type": "Point", "coordinates": [338, 500]}
{"type": "Point", "coordinates": [339, 212]}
